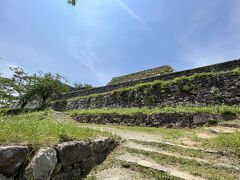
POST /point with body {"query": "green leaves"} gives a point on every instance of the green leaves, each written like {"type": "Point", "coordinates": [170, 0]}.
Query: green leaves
{"type": "Point", "coordinates": [72, 2]}
{"type": "Point", "coordinates": [22, 88]}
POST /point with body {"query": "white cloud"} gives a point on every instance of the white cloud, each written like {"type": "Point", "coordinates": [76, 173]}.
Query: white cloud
{"type": "Point", "coordinates": [125, 7]}
{"type": "Point", "coordinates": [84, 53]}
{"type": "Point", "coordinates": [221, 48]}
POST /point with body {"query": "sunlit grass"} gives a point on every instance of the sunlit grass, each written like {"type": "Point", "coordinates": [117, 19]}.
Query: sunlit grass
{"type": "Point", "coordinates": [229, 143]}
{"type": "Point", "coordinates": [38, 129]}
{"type": "Point", "coordinates": [178, 109]}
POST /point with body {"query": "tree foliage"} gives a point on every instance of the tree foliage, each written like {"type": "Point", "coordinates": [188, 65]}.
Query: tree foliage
{"type": "Point", "coordinates": [72, 2]}
{"type": "Point", "coordinates": [80, 86]}
{"type": "Point", "coordinates": [47, 85]}
{"type": "Point", "coordinates": [22, 88]}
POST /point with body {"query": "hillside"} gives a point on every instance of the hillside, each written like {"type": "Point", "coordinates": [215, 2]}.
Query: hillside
{"type": "Point", "coordinates": [180, 125]}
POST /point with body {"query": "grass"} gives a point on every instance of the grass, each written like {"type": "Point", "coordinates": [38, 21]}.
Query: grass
{"type": "Point", "coordinates": [191, 166]}
{"type": "Point", "coordinates": [230, 143]}
{"type": "Point", "coordinates": [112, 162]}
{"type": "Point", "coordinates": [149, 171]}
{"type": "Point", "coordinates": [178, 109]}
{"type": "Point", "coordinates": [39, 129]}
{"type": "Point", "coordinates": [167, 133]}
{"type": "Point", "coordinates": [195, 153]}
{"type": "Point", "coordinates": [163, 84]}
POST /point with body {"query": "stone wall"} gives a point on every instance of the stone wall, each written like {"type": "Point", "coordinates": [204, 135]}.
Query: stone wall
{"type": "Point", "coordinates": [142, 75]}
{"type": "Point", "coordinates": [66, 161]}
{"type": "Point", "coordinates": [209, 89]}
{"type": "Point", "coordinates": [217, 67]}
{"type": "Point", "coordinates": [155, 120]}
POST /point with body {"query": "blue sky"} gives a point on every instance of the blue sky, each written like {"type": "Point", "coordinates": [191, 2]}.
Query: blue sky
{"type": "Point", "coordinates": [99, 39]}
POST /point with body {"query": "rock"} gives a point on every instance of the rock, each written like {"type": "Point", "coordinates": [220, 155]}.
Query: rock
{"type": "Point", "coordinates": [100, 157]}
{"type": "Point", "coordinates": [11, 158]}
{"type": "Point", "coordinates": [67, 169]}
{"type": "Point", "coordinates": [57, 168]}
{"type": "Point", "coordinates": [77, 166]}
{"type": "Point", "coordinates": [42, 165]}
{"type": "Point", "coordinates": [101, 144]}
{"type": "Point", "coordinates": [70, 153]}
{"type": "Point", "coordinates": [74, 174]}
{"type": "Point", "coordinates": [2, 177]}
{"type": "Point", "coordinates": [179, 124]}
{"type": "Point", "coordinates": [201, 118]}
{"type": "Point", "coordinates": [87, 164]}
{"type": "Point", "coordinates": [171, 125]}
{"type": "Point", "coordinates": [229, 116]}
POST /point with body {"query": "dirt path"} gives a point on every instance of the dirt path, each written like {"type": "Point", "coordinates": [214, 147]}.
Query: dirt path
{"type": "Point", "coordinates": [143, 161]}
{"type": "Point", "coordinates": [148, 162]}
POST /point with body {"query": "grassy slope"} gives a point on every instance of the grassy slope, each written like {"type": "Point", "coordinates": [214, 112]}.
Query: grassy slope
{"type": "Point", "coordinates": [229, 143]}
{"type": "Point", "coordinates": [177, 109]}
{"type": "Point", "coordinates": [39, 129]}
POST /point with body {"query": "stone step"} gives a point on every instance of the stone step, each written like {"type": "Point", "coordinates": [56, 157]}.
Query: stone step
{"type": "Point", "coordinates": [142, 147]}
{"type": "Point", "coordinates": [231, 125]}
{"type": "Point", "coordinates": [143, 161]}
{"type": "Point", "coordinates": [118, 174]}
{"type": "Point", "coordinates": [222, 129]}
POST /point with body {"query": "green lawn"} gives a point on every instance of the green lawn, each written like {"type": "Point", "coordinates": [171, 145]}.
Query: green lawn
{"type": "Point", "coordinates": [229, 143]}
{"type": "Point", "coordinates": [178, 109]}
{"type": "Point", "coordinates": [39, 129]}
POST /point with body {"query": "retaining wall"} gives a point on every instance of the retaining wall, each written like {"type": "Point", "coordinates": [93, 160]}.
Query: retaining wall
{"type": "Point", "coordinates": [155, 120]}
{"type": "Point", "coordinates": [66, 161]}
{"type": "Point", "coordinates": [216, 67]}
{"type": "Point", "coordinates": [223, 88]}
{"type": "Point", "coordinates": [142, 74]}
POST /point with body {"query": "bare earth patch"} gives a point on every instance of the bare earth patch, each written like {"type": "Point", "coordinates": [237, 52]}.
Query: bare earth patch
{"type": "Point", "coordinates": [118, 174]}
{"type": "Point", "coordinates": [143, 161]}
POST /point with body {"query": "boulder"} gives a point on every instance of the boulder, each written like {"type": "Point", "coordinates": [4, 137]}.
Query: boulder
{"type": "Point", "coordinates": [2, 177]}
{"type": "Point", "coordinates": [11, 158]}
{"type": "Point", "coordinates": [57, 168]}
{"type": "Point", "coordinates": [70, 153]}
{"type": "Point", "coordinates": [87, 164]}
{"type": "Point", "coordinates": [201, 118]}
{"type": "Point", "coordinates": [42, 165]}
{"type": "Point", "coordinates": [74, 174]}
{"type": "Point", "coordinates": [101, 144]}
{"type": "Point", "coordinates": [227, 116]}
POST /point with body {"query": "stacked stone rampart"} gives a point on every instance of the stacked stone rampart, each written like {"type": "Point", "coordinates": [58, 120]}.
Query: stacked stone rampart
{"type": "Point", "coordinates": [216, 68]}
{"type": "Point", "coordinates": [207, 89]}
{"type": "Point", "coordinates": [68, 160]}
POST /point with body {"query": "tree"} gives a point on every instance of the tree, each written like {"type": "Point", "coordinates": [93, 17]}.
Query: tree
{"type": "Point", "coordinates": [22, 88]}
{"type": "Point", "coordinates": [48, 85]}
{"type": "Point", "coordinates": [80, 86]}
{"type": "Point", "coordinates": [6, 92]}
{"type": "Point", "coordinates": [72, 2]}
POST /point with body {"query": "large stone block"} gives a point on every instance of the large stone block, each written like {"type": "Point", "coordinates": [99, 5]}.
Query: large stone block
{"type": "Point", "coordinates": [42, 165]}
{"type": "Point", "coordinates": [11, 158]}
{"type": "Point", "coordinates": [2, 177]}
{"type": "Point", "coordinates": [70, 153]}
{"type": "Point", "coordinates": [201, 118]}
{"type": "Point", "coordinates": [74, 174]}
{"type": "Point", "coordinates": [101, 144]}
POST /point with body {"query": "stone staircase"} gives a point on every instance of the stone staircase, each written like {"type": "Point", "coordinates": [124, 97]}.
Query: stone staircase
{"type": "Point", "coordinates": [145, 154]}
